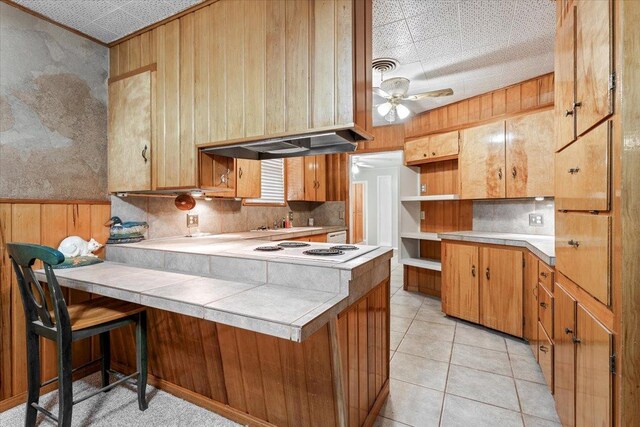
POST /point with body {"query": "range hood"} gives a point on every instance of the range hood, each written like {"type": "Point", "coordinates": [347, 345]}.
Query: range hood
{"type": "Point", "coordinates": [340, 141]}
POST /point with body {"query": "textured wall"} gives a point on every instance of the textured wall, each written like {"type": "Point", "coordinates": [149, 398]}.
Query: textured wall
{"type": "Point", "coordinates": [512, 216]}
{"type": "Point", "coordinates": [219, 216]}
{"type": "Point", "coordinates": [53, 111]}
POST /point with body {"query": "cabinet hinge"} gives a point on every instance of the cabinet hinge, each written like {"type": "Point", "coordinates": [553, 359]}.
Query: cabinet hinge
{"type": "Point", "coordinates": [612, 81]}
{"type": "Point", "coordinates": [612, 363]}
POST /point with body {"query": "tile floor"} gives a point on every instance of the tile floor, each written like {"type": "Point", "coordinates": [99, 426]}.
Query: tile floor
{"type": "Point", "coordinates": [446, 372]}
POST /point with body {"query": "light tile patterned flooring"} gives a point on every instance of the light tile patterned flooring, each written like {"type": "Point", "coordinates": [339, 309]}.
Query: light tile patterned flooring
{"type": "Point", "coordinates": [446, 372]}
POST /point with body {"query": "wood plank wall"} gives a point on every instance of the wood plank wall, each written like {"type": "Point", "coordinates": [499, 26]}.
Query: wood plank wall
{"type": "Point", "coordinates": [386, 138]}
{"type": "Point", "coordinates": [46, 223]}
{"type": "Point", "coordinates": [526, 96]}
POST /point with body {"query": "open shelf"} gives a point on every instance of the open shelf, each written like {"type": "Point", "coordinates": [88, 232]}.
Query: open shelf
{"type": "Point", "coordinates": [420, 236]}
{"type": "Point", "coordinates": [430, 198]}
{"type": "Point", "coordinates": [427, 264]}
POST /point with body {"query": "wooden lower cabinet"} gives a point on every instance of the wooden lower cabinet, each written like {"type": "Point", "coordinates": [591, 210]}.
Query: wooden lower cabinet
{"type": "Point", "coordinates": [530, 302]}
{"type": "Point", "coordinates": [460, 281]}
{"type": "Point", "coordinates": [545, 355]}
{"type": "Point", "coordinates": [565, 355]}
{"type": "Point", "coordinates": [501, 291]}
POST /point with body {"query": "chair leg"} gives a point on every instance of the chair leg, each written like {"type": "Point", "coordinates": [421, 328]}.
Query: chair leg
{"type": "Point", "coordinates": [141, 359]}
{"type": "Point", "coordinates": [33, 377]}
{"type": "Point", "coordinates": [105, 362]}
{"type": "Point", "coordinates": [65, 383]}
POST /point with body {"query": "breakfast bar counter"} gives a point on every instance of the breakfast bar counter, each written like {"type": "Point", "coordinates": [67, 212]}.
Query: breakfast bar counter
{"type": "Point", "coordinates": [277, 337]}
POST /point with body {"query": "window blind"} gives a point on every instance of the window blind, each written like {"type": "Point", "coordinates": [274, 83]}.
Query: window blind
{"type": "Point", "coordinates": [271, 182]}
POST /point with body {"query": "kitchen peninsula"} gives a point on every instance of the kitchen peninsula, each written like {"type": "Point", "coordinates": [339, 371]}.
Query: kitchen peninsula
{"type": "Point", "coordinates": [262, 337]}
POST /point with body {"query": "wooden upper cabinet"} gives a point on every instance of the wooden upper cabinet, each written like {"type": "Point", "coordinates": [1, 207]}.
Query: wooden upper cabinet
{"type": "Point", "coordinates": [594, 37]}
{"type": "Point", "coordinates": [594, 380]}
{"type": "Point", "coordinates": [565, 119]}
{"type": "Point", "coordinates": [444, 145]}
{"type": "Point", "coordinates": [583, 172]}
{"type": "Point", "coordinates": [529, 155]}
{"type": "Point", "coordinates": [248, 178]}
{"type": "Point", "coordinates": [482, 162]}
{"type": "Point", "coordinates": [416, 150]}
{"type": "Point", "coordinates": [306, 178]}
{"type": "Point", "coordinates": [564, 329]}
{"type": "Point", "coordinates": [501, 303]}
{"type": "Point", "coordinates": [225, 177]}
{"type": "Point", "coordinates": [130, 152]}
{"type": "Point", "coordinates": [460, 281]}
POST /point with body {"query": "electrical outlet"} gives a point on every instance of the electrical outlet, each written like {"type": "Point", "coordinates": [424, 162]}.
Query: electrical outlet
{"type": "Point", "coordinates": [192, 220]}
{"type": "Point", "coordinates": [422, 215]}
{"type": "Point", "coordinates": [536, 220]}
{"type": "Point", "coordinates": [423, 188]}
{"type": "Point", "coordinates": [340, 214]}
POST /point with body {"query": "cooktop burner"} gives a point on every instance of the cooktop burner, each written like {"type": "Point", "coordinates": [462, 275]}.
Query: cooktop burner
{"type": "Point", "coordinates": [293, 244]}
{"type": "Point", "coordinates": [344, 248]}
{"type": "Point", "coordinates": [268, 248]}
{"type": "Point", "coordinates": [324, 252]}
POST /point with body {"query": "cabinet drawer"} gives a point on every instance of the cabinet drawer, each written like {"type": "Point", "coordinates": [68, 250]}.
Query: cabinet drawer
{"type": "Point", "coordinates": [443, 145]}
{"type": "Point", "coordinates": [583, 172]}
{"type": "Point", "coordinates": [583, 251]}
{"type": "Point", "coordinates": [545, 310]}
{"type": "Point", "coordinates": [545, 356]}
{"type": "Point", "coordinates": [416, 150]}
{"type": "Point", "coordinates": [545, 276]}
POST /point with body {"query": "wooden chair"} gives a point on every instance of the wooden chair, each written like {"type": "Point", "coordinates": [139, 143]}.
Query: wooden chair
{"type": "Point", "coordinates": [64, 326]}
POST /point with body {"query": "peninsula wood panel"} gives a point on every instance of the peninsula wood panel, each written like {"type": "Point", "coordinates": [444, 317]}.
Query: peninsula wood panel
{"type": "Point", "coordinates": [529, 155]}
{"type": "Point", "coordinates": [482, 162]}
{"type": "Point", "coordinates": [530, 95]}
{"type": "Point", "coordinates": [565, 117]}
{"type": "Point", "coordinates": [594, 38]}
{"type": "Point", "coordinates": [564, 325]}
{"type": "Point", "coordinates": [421, 280]}
{"type": "Point", "coordinates": [501, 293]}
{"type": "Point", "coordinates": [461, 281]}
{"type": "Point", "coordinates": [583, 172]}
{"type": "Point", "coordinates": [385, 138]}
{"type": "Point", "coordinates": [45, 223]}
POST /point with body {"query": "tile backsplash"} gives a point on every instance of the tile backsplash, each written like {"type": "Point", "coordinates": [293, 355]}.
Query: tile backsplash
{"type": "Point", "coordinates": [512, 216]}
{"type": "Point", "coordinates": [220, 216]}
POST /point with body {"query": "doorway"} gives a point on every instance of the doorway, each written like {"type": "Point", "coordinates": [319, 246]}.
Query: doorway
{"type": "Point", "coordinates": [358, 192]}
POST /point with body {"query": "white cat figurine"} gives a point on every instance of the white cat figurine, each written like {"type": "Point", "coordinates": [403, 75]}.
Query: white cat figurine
{"type": "Point", "coordinates": [74, 246]}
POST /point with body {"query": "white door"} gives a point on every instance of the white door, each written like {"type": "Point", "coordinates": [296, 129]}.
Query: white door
{"type": "Point", "coordinates": [385, 211]}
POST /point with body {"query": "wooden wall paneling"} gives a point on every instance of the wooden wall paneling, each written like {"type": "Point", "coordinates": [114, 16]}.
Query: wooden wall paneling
{"type": "Point", "coordinates": [474, 110]}
{"type": "Point", "coordinates": [529, 94]}
{"type": "Point", "coordinates": [135, 53]}
{"type": "Point", "coordinates": [486, 106]}
{"type": "Point", "coordinates": [352, 351]}
{"type": "Point", "coordinates": [386, 138]}
{"type": "Point", "coordinates": [440, 177]}
{"type": "Point", "coordinates": [450, 215]}
{"type": "Point", "coordinates": [463, 112]}
{"type": "Point", "coordinates": [145, 49]}
{"type": "Point", "coordinates": [187, 152]}
{"type": "Point", "coordinates": [317, 363]}
{"type": "Point", "coordinates": [113, 62]}
{"type": "Point", "coordinates": [363, 376]}
{"type": "Point", "coordinates": [498, 103]}
{"type": "Point", "coordinates": [255, 101]}
{"type": "Point", "coordinates": [297, 65]}
{"type": "Point", "coordinates": [201, 78]}
{"type": "Point", "coordinates": [545, 89]}
{"type": "Point", "coordinates": [251, 373]}
{"type": "Point", "coordinates": [271, 368]}
{"type": "Point", "coordinates": [6, 306]}
{"type": "Point", "coordinates": [512, 99]}
{"type": "Point", "coordinates": [420, 280]}
{"type": "Point", "coordinates": [218, 80]}
{"type": "Point", "coordinates": [231, 367]}
{"type": "Point", "coordinates": [295, 381]}
{"type": "Point", "coordinates": [123, 58]}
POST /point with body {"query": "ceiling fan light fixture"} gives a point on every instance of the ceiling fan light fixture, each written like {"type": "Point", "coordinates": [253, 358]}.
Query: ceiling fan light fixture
{"type": "Point", "coordinates": [383, 109]}
{"type": "Point", "coordinates": [391, 115]}
{"type": "Point", "coordinates": [403, 112]}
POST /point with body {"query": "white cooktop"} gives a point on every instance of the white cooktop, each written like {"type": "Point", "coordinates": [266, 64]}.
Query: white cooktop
{"type": "Point", "coordinates": [298, 253]}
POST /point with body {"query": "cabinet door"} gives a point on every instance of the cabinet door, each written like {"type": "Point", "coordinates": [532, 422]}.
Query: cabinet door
{"type": "Point", "coordinates": [320, 238]}
{"type": "Point", "coordinates": [321, 178]}
{"type": "Point", "coordinates": [530, 302]}
{"type": "Point", "coordinates": [593, 63]}
{"type": "Point", "coordinates": [444, 145]}
{"type": "Point", "coordinates": [481, 162]}
{"type": "Point", "coordinates": [416, 150]}
{"type": "Point", "coordinates": [564, 364]}
{"type": "Point", "coordinates": [248, 180]}
{"type": "Point", "coordinates": [530, 153]}
{"type": "Point", "coordinates": [545, 359]}
{"type": "Point", "coordinates": [593, 373]}
{"type": "Point", "coordinates": [501, 294]}
{"type": "Point", "coordinates": [130, 133]}
{"type": "Point", "coordinates": [295, 173]}
{"type": "Point", "coordinates": [460, 273]}
{"type": "Point", "coordinates": [310, 182]}
{"type": "Point", "coordinates": [565, 119]}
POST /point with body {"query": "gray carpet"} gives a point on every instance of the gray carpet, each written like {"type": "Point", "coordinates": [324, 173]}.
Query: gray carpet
{"type": "Point", "coordinates": [119, 407]}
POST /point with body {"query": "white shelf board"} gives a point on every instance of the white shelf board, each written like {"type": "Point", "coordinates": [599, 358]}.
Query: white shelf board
{"type": "Point", "coordinates": [430, 198]}
{"type": "Point", "coordinates": [420, 236]}
{"type": "Point", "coordinates": [427, 264]}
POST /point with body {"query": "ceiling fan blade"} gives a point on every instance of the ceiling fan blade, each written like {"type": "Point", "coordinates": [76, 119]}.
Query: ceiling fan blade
{"type": "Point", "coordinates": [363, 165]}
{"type": "Point", "coordinates": [380, 92]}
{"type": "Point", "coordinates": [430, 94]}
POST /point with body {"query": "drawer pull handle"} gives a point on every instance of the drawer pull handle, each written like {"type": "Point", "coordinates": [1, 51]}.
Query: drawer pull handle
{"type": "Point", "coordinates": [433, 153]}
{"type": "Point", "coordinates": [424, 154]}
{"type": "Point", "coordinates": [473, 270]}
{"type": "Point", "coordinates": [144, 154]}
{"type": "Point", "coordinates": [573, 243]}
{"type": "Point", "coordinates": [568, 113]}
{"type": "Point", "coordinates": [544, 349]}
{"type": "Point", "coordinates": [544, 274]}
{"type": "Point", "coordinates": [576, 340]}
{"type": "Point", "coordinates": [568, 331]}
{"type": "Point", "coordinates": [500, 173]}
{"type": "Point", "coordinates": [488, 273]}
{"type": "Point", "coordinates": [577, 104]}
{"type": "Point", "coordinates": [574, 171]}
{"type": "Point", "coordinates": [544, 305]}
{"type": "Point", "coordinates": [514, 172]}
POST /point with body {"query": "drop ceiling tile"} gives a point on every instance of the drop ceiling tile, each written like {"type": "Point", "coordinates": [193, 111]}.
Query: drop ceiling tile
{"type": "Point", "coordinates": [411, 71]}
{"type": "Point", "coordinates": [391, 35]}
{"type": "Point", "coordinates": [440, 46]}
{"type": "Point", "coordinates": [141, 10]}
{"type": "Point", "coordinates": [485, 22]}
{"type": "Point", "coordinates": [419, 7]}
{"type": "Point", "coordinates": [405, 53]}
{"type": "Point", "coordinates": [439, 20]}
{"type": "Point", "coordinates": [97, 32]}
{"type": "Point", "coordinates": [386, 11]}
{"type": "Point", "coordinates": [119, 22]}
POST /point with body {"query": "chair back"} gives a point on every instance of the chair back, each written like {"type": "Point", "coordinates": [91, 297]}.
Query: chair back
{"type": "Point", "coordinates": [34, 299]}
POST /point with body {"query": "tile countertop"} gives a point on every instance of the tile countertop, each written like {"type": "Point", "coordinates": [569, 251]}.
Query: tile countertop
{"type": "Point", "coordinates": [541, 246]}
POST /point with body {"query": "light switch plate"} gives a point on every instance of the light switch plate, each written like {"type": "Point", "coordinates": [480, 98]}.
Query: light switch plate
{"type": "Point", "coordinates": [340, 214]}
{"type": "Point", "coordinates": [422, 215]}
{"type": "Point", "coordinates": [423, 188]}
{"type": "Point", "coordinates": [192, 220]}
{"type": "Point", "coordinates": [536, 220]}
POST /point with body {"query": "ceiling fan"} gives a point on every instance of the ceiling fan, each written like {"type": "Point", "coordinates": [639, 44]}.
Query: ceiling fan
{"type": "Point", "coordinates": [395, 91]}
{"type": "Point", "coordinates": [357, 164]}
